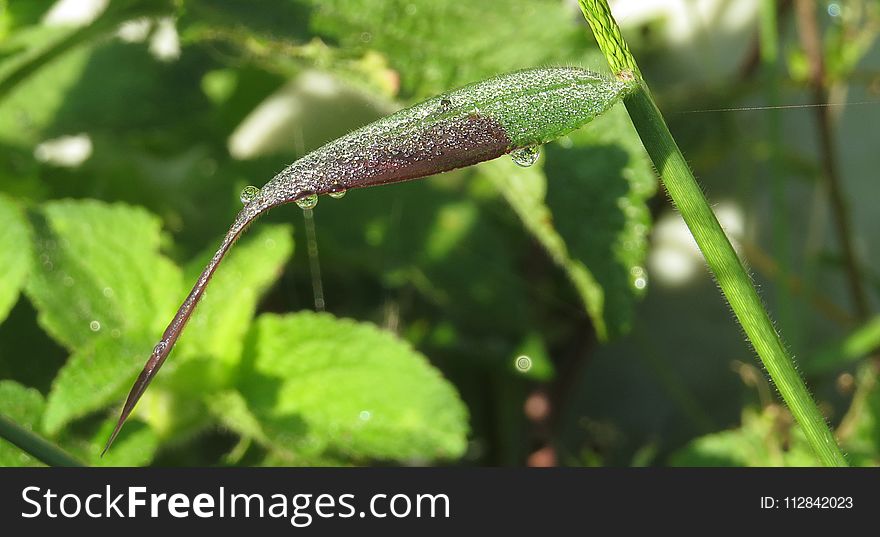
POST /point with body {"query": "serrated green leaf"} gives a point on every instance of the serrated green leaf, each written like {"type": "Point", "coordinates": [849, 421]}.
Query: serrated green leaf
{"type": "Point", "coordinates": [103, 290]}
{"type": "Point", "coordinates": [322, 384]}
{"type": "Point", "coordinates": [598, 191]}
{"type": "Point", "coordinates": [15, 254]}
{"type": "Point", "coordinates": [588, 210]}
{"type": "Point", "coordinates": [97, 271]}
{"type": "Point", "coordinates": [525, 190]}
{"type": "Point", "coordinates": [765, 439]}
{"type": "Point", "coordinates": [95, 375]}
{"type": "Point", "coordinates": [439, 44]}
{"type": "Point", "coordinates": [24, 406]}
{"type": "Point", "coordinates": [222, 318]}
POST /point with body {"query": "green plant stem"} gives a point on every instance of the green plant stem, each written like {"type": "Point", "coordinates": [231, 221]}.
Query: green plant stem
{"type": "Point", "coordinates": [35, 445]}
{"type": "Point", "coordinates": [726, 266]}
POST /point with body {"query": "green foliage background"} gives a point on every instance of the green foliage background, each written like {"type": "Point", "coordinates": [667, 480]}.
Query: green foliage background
{"type": "Point", "coordinates": [433, 287]}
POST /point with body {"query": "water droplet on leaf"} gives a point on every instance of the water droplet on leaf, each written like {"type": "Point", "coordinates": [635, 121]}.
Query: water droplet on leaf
{"type": "Point", "coordinates": [248, 194]}
{"type": "Point", "coordinates": [308, 202]}
{"type": "Point", "coordinates": [526, 156]}
{"type": "Point", "coordinates": [337, 191]}
{"type": "Point", "coordinates": [445, 104]}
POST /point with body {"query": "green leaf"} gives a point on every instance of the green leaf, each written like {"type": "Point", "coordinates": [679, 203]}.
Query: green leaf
{"type": "Point", "coordinates": [94, 376]}
{"type": "Point", "coordinates": [766, 439]}
{"type": "Point", "coordinates": [320, 384]}
{"type": "Point", "coordinates": [597, 192]}
{"type": "Point", "coordinates": [97, 271]}
{"type": "Point", "coordinates": [439, 44]}
{"type": "Point", "coordinates": [857, 344]}
{"type": "Point", "coordinates": [538, 365]}
{"type": "Point", "coordinates": [220, 321]}
{"type": "Point", "coordinates": [587, 208]}
{"type": "Point", "coordinates": [24, 406]}
{"type": "Point", "coordinates": [15, 253]}
{"type": "Point", "coordinates": [525, 190]}
{"type": "Point", "coordinates": [451, 251]}
{"type": "Point", "coordinates": [102, 289]}
{"type": "Point", "coordinates": [859, 432]}
{"type": "Point", "coordinates": [35, 94]}
{"type": "Point", "coordinates": [136, 446]}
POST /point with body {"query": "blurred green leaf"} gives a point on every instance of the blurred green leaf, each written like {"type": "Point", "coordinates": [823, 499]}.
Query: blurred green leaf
{"type": "Point", "coordinates": [587, 208]}
{"type": "Point", "coordinates": [24, 406]}
{"type": "Point", "coordinates": [858, 344]}
{"type": "Point", "coordinates": [525, 190]}
{"type": "Point", "coordinates": [859, 431]}
{"type": "Point", "coordinates": [432, 238]}
{"type": "Point", "coordinates": [222, 318]}
{"type": "Point", "coordinates": [436, 45]}
{"type": "Point", "coordinates": [98, 273]}
{"type": "Point", "coordinates": [15, 253]}
{"type": "Point", "coordinates": [766, 439]}
{"type": "Point", "coordinates": [32, 102]}
{"type": "Point", "coordinates": [55, 42]}
{"type": "Point", "coordinates": [97, 374]}
{"type": "Point", "coordinates": [540, 366]}
{"type": "Point", "coordinates": [597, 192]}
{"type": "Point", "coordinates": [103, 290]}
{"type": "Point", "coordinates": [317, 383]}
{"type": "Point", "coordinates": [135, 446]}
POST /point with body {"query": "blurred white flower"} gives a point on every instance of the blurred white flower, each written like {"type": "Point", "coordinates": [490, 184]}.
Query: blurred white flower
{"type": "Point", "coordinates": [165, 43]}
{"type": "Point", "coordinates": [74, 12]}
{"type": "Point", "coordinates": [675, 258]}
{"type": "Point", "coordinates": [135, 30]}
{"type": "Point", "coordinates": [298, 113]}
{"type": "Point", "coordinates": [65, 151]}
{"type": "Point", "coordinates": [263, 130]}
{"type": "Point", "coordinates": [684, 19]}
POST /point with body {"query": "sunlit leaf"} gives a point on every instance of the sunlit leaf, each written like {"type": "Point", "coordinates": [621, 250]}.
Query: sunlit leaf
{"type": "Point", "coordinates": [98, 273]}
{"type": "Point", "coordinates": [15, 253]}
{"type": "Point", "coordinates": [220, 321]}
{"type": "Point", "coordinates": [327, 384]}
{"type": "Point", "coordinates": [24, 406]}
{"type": "Point", "coordinates": [766, 439]}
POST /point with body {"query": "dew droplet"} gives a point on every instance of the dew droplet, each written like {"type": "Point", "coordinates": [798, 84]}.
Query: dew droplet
{"type": "Point", "coordinates": [445, 104]}
{"type": "Point", "coordinates": [248, 194]}
{"type": "Point", "coordinates": [308, 202]}
{"type": "Point", "coordinates": [159, 347]}
{"type": "Point", "coordinates": [523, 363]}
{"type": "Point", "coordinates": [338, 191]}
{"type": "Point", "coordinates": [639, 277]}
{"type": "Point", "coordinates": [526, 156]}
